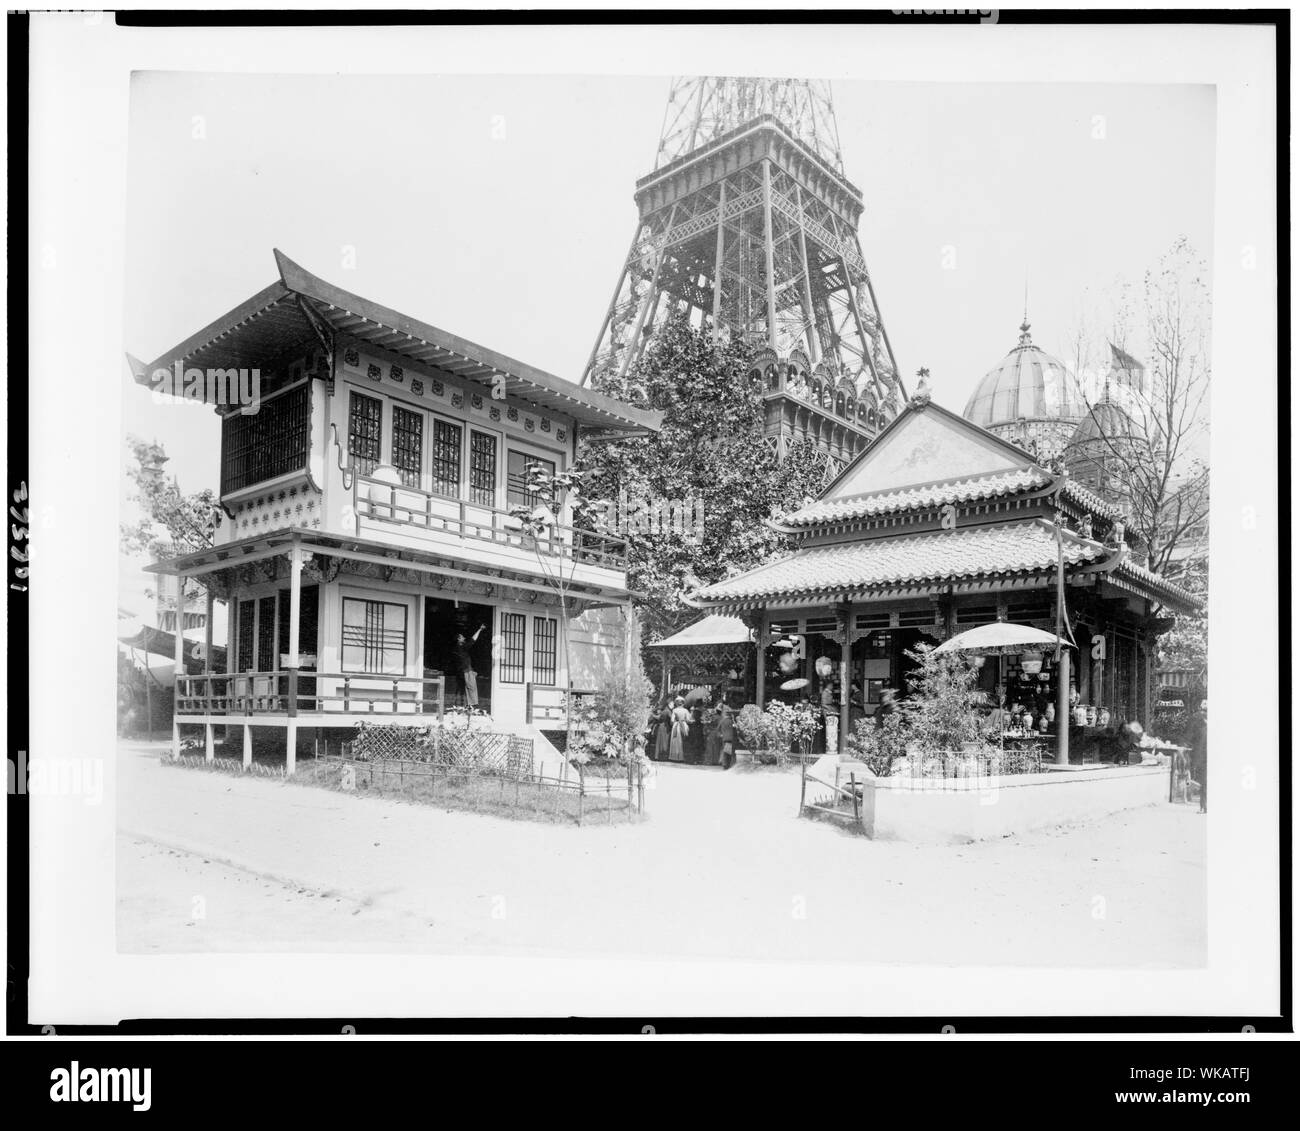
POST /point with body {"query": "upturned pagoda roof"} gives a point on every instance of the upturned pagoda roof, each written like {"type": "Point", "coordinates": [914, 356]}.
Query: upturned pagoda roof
{"type": "Point", "coordinates": [904, 565]}
{"type": "Point", "coordinates": [299, 308]}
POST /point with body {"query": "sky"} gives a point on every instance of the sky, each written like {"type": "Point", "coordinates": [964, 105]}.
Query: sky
{"type": "Point", "coordinates": [500, 208]}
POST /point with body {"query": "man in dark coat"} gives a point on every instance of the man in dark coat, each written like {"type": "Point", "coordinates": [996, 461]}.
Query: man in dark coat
{"type": "Point", "coordinates": [465, 665]}
{"type": "Point", "coordinates": [726, 735]}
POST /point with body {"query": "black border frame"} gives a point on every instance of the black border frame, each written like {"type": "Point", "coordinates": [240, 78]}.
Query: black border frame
{"type": "Point", "coordinates": [18, 627]}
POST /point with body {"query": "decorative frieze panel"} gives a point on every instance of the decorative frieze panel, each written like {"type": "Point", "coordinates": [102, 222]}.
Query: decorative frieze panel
{"type": "Point", "coordinates": [283, 509]}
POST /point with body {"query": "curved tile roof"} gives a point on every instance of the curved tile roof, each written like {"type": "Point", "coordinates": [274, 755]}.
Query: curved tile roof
{"type": "Point", "coordinates": [852, 566]}
{"type": "Point", "coordinates": [929, 495]}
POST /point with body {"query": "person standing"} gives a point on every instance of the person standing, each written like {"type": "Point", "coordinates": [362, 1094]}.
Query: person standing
{"type": "Point", "coordinates": [695, 735]}
{"type": "Point", "coordinates": [681, 719]}
{"type": "Point", "coordinates": [726, 735]}
{"type": "Point", "coordinates": [712, 744]}
{"type": "Point", "coordinates": [886, 707]}
{"type": "Point", "coordinates": [465, 665]}
{"type": "Point", "coordinates": [663, 730]}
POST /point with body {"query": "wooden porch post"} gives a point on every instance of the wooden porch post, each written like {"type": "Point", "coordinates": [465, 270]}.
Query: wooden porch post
{"type": "Point", "coordinates": [760, 648]}
{"type": "Point", "coordinates": [846, 683]}
{"type": "Point", "coordinates": [297, 556]}
{"type": "Point", "coordinates": [1063, 709]}
{"type": "Point", "coordinates": [209, 751]}
{"type": "Point", "coordinates": [207, 636]}
{"type": "Point", "coordinates": [179, 669]}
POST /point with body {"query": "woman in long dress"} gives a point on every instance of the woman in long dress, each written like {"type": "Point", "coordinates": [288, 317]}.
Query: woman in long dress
{"type": "Point", "coordinates": [681, 722]}
{"type": "Point", "coordinates": [663, 730]}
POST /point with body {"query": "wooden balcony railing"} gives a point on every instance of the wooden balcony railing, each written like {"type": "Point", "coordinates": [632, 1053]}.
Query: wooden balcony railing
{"type": "Point", "coordinates": [423, 510]}
{"type": "Point", "coordinates": [294, 693]}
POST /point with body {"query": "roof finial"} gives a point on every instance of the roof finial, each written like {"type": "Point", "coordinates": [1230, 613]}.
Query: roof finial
{"type": "Point", "coordinates": [1024, 321]}
{"type": "Point", "coordinates": [921, 395]}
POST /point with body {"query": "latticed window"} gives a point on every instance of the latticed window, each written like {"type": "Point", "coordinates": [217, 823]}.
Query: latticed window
{"type": "Point", "coordinates": [247, 613]}
{"type": "Point", "coordinates": [365, 431]}
{"type": "Point", "coordinates": [267, 660]}
{"type": "Point", "coordinates": [446, 459]}
{"type": "Point", "coordinates": [544, 651]}
{"type": "Point", "coordinates": [374, 637]}
{"type": "Point", "coordinates": [266, 444]}
{"type": "Point", "coordinates": [408, 444]}
{"type": "Point", "coordinates": [513, 628]}
{"type": "Point", "coordinates": [483, 469]}
{"type": "Point", "coordinates": [517, 492]}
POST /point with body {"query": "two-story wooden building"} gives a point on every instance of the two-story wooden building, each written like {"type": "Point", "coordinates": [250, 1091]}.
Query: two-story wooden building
{"type": "Point", "coordinates": [372, 539]}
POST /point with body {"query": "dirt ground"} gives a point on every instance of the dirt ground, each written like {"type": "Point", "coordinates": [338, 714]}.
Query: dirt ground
{"type": "Point", "coordinates": [721, 867]}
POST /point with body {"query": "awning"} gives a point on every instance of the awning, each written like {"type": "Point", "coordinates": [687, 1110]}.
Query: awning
{"type": "Point", "coordinates": [160, 643]}
{"type": "Point", "coordinates": [714, 629]}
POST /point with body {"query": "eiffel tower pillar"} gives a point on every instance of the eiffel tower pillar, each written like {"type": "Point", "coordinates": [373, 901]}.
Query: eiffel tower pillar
{"type": "Point", "coordinates": [748, 225]}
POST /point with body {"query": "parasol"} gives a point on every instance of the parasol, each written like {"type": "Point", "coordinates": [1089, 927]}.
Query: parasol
{"type": "Point", "coordinates": [1002, 639]}
{"type": "Point", "coordinates": [698, 695]}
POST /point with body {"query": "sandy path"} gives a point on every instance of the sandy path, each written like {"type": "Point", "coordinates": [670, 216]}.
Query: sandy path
{"type": "Point", "coordinates": [721, 868]}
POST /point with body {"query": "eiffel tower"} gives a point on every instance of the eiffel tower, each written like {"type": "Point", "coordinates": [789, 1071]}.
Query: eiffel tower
{"type": "Point", "coordinates": [748, 225]}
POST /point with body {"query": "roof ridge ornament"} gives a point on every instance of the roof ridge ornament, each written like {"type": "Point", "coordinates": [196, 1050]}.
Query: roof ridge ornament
{"type": "Point", "coordinates": [921, 397]}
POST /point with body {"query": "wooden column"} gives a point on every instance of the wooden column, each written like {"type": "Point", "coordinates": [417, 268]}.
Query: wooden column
{"type": "Point", "coordinates": [207, 632]}
{"type": "Point", "coordinates": [179, 669]}
{"type": "Point", "coordinates": [846, 683]}
{"type": "Point", "coordinates": [297, 556]}
{"type": "Point", "coordinates": [760, 649]}
{"type": "Point", "coordinates": [248, 746]}
{"type": "Point", "coordinates": [207, 659]}
{"type": "Point", "coordinates": [1063, 709]}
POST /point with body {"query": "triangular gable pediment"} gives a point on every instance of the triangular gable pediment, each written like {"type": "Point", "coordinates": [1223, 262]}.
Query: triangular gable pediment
{"type": "Point", "coordinates": [926, 445]}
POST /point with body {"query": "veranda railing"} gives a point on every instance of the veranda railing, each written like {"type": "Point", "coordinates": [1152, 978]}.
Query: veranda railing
{"type": "Point", "coordinates": [275, 693]}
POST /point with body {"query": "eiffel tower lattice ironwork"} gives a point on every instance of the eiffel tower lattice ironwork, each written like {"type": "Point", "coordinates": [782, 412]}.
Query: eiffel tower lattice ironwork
{"type": "Point", "coordinates": [749, 226]}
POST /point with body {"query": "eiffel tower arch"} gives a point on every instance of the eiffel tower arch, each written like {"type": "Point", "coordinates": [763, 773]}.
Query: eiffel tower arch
{"type": "Point", "coordinates": [748, 226]}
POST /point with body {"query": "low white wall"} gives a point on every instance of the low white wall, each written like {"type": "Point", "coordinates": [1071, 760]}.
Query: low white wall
{"type": "Point", "coordinates": [974, 809]}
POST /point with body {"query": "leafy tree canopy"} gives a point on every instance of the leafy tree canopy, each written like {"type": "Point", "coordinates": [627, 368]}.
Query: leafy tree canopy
{"type": "Point", "coordinates": [710, 457]}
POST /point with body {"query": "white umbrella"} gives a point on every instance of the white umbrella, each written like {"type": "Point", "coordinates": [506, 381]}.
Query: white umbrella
{"type": "Point", "coordinates": [1002, 639]}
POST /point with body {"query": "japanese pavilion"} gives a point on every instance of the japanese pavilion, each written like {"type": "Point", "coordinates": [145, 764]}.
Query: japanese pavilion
{"type": "Point", "coordinates": [372, 501]}
{"type": "Point", "coordinates": [941, 525]}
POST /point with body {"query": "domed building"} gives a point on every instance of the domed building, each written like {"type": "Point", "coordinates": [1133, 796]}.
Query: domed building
{"type": "Point", "coordinates": [1102, 450]}
{"type": "Point", "coordinates": [1029, 398]}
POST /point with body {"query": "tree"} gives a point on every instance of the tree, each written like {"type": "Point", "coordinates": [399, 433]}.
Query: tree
{"type": "Point", "coordinates": [1162, 463]}
{"type": "Point", "coordinates": [710, 461]}
{"type": "Point", "coordinates": [173, 522]}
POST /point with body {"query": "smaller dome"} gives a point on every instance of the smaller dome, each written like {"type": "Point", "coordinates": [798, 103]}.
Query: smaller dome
{"type": "Point", "coordinates": [1104, 421]}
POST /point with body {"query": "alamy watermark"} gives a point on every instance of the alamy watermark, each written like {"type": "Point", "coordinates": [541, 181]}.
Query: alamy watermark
{"type": "Point", "coordinates": [651, 515]}
{"type": "Point", "coordinates": [230, 388]}
{"type": "Point", "coordinates": [57, 777]}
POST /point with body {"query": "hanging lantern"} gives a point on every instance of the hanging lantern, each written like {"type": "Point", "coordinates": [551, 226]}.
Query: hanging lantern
{"type": "Point", "coordinates": [1031, 662]}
